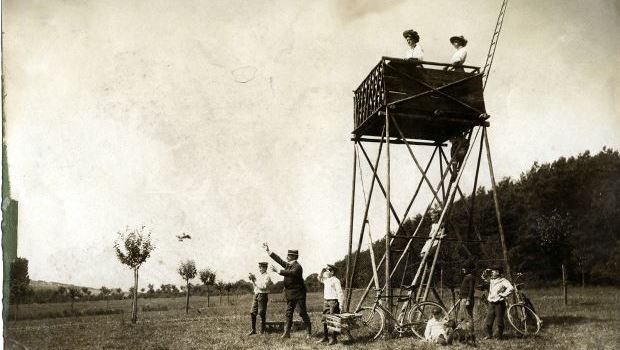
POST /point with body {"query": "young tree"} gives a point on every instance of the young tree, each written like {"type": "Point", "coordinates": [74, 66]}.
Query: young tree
{"type": "Point", "coordinates": [187, 270]}
{"type": "Point", "coordinates": [133, 248]}
{"type": "Point", "coordinates": [75, 294]}
{"type": "Point", "coordinates": [62, 293]}
{"type": "Point", "coordinates": [86, 292]}
{"type": "Point", "coordinates": [19, 282]}
{"type": "Point", "coordinates": [105, 292]}
{"type": "Point", "coordinates": [150, 289]}
{"type": "Point", "coordinates": [208, 279]}
{"type": "Point", "coordinates": [228, 287]}
{"type": "Point", "coordinates": [220, 287]}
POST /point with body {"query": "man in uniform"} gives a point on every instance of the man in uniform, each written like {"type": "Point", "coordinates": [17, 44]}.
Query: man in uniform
{"type": "Point", "coordinates": [261, 297]}
{"type": "Point", "coordinates": [294, 288]}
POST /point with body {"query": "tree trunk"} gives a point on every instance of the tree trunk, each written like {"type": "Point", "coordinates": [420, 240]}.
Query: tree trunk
{"type": "Point", "coordinates": [16, 310]}
{"type": "Point", "coordinates": [564, 285]}
{"type": "Point", "coordinates": [220, 298]}
{"type": "Point", "coordinates": [134, 309]}
{"type": "Point", "coordinates": [583, 280]}
{"type": "Point", "coordinates": [207, 298]}
{"type": "Point", "coordinates": [187, 298]}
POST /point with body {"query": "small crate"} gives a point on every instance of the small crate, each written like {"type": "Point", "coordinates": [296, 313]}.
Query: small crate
{"type": "Point", "coordinates": [342, 322]}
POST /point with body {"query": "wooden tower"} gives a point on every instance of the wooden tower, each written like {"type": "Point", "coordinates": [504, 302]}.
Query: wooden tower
{"type": "Point", "coordinates": [412, 105]}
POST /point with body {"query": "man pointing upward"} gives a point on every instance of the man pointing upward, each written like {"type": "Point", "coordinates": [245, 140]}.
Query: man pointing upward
{"type": "Point", "coordinates": [294, 288]}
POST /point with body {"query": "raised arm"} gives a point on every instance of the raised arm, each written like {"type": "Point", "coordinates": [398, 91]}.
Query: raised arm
{"type": "Point", "coordinates": [320, 276]}
{"type": "Point", "coordinates": [277, 259]}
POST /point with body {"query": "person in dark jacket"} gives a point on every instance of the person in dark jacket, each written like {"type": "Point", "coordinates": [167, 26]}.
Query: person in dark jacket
{"type": "Point", "coordinates": [466, 292]}
{"type": "Point", "coordinates": [294, 289]}
{"type": "Point", "coordinates": [458, 151]}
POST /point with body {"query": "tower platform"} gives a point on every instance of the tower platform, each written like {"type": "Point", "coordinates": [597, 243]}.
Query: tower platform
{"type": "Point", "coordinates": [428, 102]}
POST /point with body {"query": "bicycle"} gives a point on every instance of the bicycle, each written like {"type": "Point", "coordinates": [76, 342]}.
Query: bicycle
{"type": "Point", "coordinates": [423, 310]}
{"type": "Point", "coordinates": [411, 317]}
{"type": "Point", "coordinates": [522, 314]}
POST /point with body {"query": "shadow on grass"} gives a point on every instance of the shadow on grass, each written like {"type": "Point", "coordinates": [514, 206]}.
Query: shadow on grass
{"type": "Point", "coordinates": [568, 319]}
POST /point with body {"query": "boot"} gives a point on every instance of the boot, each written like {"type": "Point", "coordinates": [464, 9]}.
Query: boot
{"type": "Point", "coordinates": [262, 324]}
{"type": "Point", "coordinates": [253, 331]}
{"type": "Point", "coordinates": [489, 332]}
{"type": "Point", "coordinates": [287, 330]}
{"type": "Point", "coordinates": [334, 339]}
{"type": "Point", "coordinates": [325, 335]}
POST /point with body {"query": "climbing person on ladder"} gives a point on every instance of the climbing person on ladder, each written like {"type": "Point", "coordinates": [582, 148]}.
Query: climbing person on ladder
{"type": "Point", "coordinates": [436, 232]}
{"type": "Point", "coordinates": [458, 151]}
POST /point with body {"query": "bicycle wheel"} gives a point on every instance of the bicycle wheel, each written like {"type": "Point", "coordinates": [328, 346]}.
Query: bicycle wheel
{"type": "Point", "coordinates": [419, 315]}
{"type": "Point", "coordinates": [370, 326]}
{"type": "Point", "coordinates": [523, 319]}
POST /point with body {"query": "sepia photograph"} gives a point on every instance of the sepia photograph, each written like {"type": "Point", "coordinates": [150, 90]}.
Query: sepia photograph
{"type": "Point", "coordinates": [296, 174]}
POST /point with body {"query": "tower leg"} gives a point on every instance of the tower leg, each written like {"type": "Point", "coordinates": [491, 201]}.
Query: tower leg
{"type": "Point", "coordinates": [347, 287]}
{"type": "Point", "coordinates": [496, 201]}
{"type": "Point", "coordinates": [388, 265]}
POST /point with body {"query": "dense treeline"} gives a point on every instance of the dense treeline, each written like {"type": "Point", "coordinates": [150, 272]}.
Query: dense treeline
{"type": "Point", "coordinates": [566, 212]}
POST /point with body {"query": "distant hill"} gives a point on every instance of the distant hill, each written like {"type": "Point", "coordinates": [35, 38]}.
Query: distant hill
{"type": "Point", "coordinates": [45, 285]}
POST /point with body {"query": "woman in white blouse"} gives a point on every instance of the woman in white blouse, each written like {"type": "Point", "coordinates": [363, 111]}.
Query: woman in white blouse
{"type": "Point", "coordinates": [458, 59]}
{"type": "Point", "coordinates": [414, 52]}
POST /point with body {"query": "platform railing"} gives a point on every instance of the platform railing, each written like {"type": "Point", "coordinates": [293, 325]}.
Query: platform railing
{"type": "Point", "coordinates": [370, 96]}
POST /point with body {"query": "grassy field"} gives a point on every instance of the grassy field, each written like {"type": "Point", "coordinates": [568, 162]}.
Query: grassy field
{"type": "Point", "coordinates": [590, 321]}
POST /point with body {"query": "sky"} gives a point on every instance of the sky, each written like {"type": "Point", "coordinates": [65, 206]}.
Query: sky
{"type": "Point", "coordinates": [231, 120]}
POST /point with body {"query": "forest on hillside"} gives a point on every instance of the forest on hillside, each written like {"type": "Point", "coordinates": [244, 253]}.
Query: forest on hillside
{"type": "Point", "coordinates": [564, 212]}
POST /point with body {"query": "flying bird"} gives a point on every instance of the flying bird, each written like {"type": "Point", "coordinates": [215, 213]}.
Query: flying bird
{"type": "Point", "coordinates": [183, 236]}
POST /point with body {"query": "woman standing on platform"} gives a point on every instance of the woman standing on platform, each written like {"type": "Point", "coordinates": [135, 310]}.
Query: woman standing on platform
{"type": "Point", "coordinates": [414, 52]}
{"type": "Point", "coordinates": [458, 59]}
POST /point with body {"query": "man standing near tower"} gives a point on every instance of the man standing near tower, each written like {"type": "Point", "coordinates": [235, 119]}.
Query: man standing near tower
{"type": "Point", "coordinates": [261, 297]}
{"type": "Point", "coordinates": [294, 288]}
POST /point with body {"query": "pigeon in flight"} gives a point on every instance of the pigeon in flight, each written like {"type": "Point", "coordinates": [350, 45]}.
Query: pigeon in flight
{"type": "Point", "coordinates": [183, 236]}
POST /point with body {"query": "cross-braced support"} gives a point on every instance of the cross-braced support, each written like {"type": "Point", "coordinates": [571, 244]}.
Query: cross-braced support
{"type": "Point", "coordinates": [443, 193]}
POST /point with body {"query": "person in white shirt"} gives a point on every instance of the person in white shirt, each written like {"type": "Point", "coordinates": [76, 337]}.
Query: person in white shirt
{"type": "Point", "coordinates": [414, 52]}
{"type": "Point", "coordinates": [499, 289]}
{"type": "Point", "coordinates": [436, 232]}
{"type": "Point", "coordinates": [459, 57]}
{"type": "Point", "coordinates": [332, 299]}
{"type": "Point", "coordinates": [261, 297]}
{"type": "Point", "coordinates": [436, 330]}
